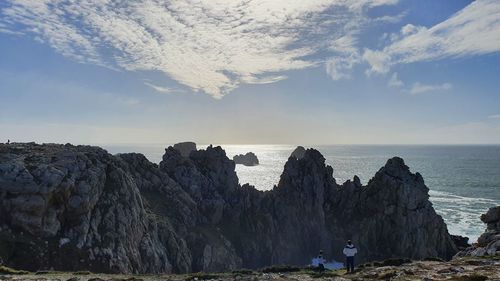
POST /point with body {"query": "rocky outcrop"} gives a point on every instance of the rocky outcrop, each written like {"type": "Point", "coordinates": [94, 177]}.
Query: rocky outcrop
{"type": "Point", "coordinates": [488, 244]}
{"type": "Point", "coordinates": [461, 242]}
{"type": "Point", "coordinates": [185, 148]}
{"type": "Point", "coordinates": [248, 159]}
{"type": "Point", "coordinates": [298, 152]}
{"type": "Point", "coordinates": [77, 207]}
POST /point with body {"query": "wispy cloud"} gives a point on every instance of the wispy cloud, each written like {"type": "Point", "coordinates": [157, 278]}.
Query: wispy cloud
{"type": "Point", "coordinates": [210, 46]}
{"type": "Point", "coordinates": [474, 30]}
{"type": "Point", "coordinates": [419, 88]}
{"type": "Point", "coordinates": [162, 89]}
{"type": "Point", "coordinates": [494, 116]}
{"type": "Point", "coordinates": [395, 82]}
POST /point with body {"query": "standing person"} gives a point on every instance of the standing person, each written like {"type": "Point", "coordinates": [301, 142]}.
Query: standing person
{"type": "Point", "coordinates": [350, 251]}
{"type": "Point", "coordinates": [319, 262]}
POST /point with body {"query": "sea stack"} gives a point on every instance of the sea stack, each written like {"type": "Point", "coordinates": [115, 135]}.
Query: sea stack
{"type": "Point", "coordinates": [249, 159]}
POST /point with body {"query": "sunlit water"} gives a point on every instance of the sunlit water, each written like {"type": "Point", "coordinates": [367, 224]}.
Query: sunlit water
{"type": "Point", "coordinates": [464, 181]}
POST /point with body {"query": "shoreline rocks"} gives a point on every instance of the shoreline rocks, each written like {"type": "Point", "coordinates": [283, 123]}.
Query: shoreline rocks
{"type": "Point", "coordinates": [248, 159]}
{"type": "Point", "coordinates": [75, 208]}
{"type": "Point", "coordinates": [488, 244]}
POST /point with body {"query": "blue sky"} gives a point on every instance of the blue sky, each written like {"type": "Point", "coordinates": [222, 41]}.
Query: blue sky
{"type": "Point", "coordinates": [295, 72]}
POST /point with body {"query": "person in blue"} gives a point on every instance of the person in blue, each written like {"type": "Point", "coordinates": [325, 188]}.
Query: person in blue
{"type": "Point", "coordinates": [319, 262]}
{"type": "Point", "coordinates": [349, 251]}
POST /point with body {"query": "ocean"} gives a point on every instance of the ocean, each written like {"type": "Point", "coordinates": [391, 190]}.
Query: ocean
{"type": "Point", "coordinates": [464, 180]}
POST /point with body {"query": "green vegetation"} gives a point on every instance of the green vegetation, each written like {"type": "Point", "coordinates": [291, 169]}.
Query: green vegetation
{"type": "Point", "coordinates": [324, 274]}
{"type": "Point", "coordinates": [202, 276]}
{"type": "Point", "coordinates": [243, 271]}
{"type": "Point", "coordinates": [8, 270]}
{"type": "Point", "coordinates": [280, 269]}
{"type": "Point", "coordinates": [82, 273]}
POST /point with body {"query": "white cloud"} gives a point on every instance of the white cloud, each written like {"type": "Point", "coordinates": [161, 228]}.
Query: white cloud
{"type": "Point", "coordinates": [474, 30]}
{"type": "Point", "coordinates": [161, 89]}
{"type": "Point", "coordinates": [209, 45]}
{"type": "Point", "coordinates": [394, 81]}
{"type": "Point", "coordinates": [419, 88]}
{"type": "Point", "coordinates": [379, 61]}
{"type": "Point", "coordinates": [495, 116]}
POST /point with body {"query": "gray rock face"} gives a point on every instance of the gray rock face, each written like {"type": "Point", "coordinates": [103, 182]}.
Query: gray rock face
{"type": "Point", "coordinates": [488, 244]}
{"type": "Point", "coordinates": [78, 207]}
{"type": "Point", "coordinates": [298, 152]}
{"type": "Point", "coordinates": [82, 196]}
{"type": "Point", "coordinates": [185, 148]}
{"type": "Point", "coordinates": [249, 159]}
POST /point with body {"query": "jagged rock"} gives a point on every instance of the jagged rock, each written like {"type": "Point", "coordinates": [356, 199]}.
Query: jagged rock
{"type": "Point", "coordinates": [125, 214]}
{"type": "Point", "coordinates": [249, 159]}
{"type": "Point", "coordinates": [185, 148]}
{"type": "Point", "coordinates": [298, 152]}
{"type": "Point", "coordinates": [488, 244]}
{"type": "Point", "coordinates": [55, 193]}
{"type": "Point", "coordinates": [461, 242]}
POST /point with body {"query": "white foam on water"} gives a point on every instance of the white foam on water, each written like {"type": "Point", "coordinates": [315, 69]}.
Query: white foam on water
{"type": "Point", "coordinates": [462, 214]}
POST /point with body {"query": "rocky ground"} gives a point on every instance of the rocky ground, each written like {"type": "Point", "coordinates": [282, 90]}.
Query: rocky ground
{"type": "Point", "coordinates": [459, 269]}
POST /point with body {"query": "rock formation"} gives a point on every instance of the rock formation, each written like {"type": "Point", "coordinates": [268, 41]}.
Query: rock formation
{"type": "Point", "coordinates": [298, 152]}
{"type": "Point", "coordinates": [77, 207]}
{"type": "Point", "coordinates": [185, 148]}
{"type": "Point", "coordinates": [249, 159]}
{"type": "Point", "coordinates": [488, 243]}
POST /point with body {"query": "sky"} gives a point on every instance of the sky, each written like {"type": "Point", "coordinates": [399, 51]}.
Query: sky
{"type": "Point", "coordinates": [250, 71]}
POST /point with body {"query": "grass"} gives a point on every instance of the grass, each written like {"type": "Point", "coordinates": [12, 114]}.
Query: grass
{"type": "Point", "coordinates": [82, 273]}
{"type": "Point", "coordinates": [243, 272]}
{"type": "Point", "coordinates": [324, 274]}
{"type": "Point", "coordinates": [8, 270]}
{"type": "Point", "coordinates": [202, 276]}
{"type": "Point", "coordinates": [280, 269]}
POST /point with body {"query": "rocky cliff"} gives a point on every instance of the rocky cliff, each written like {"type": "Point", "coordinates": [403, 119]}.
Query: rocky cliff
{"type": "Point", "coordinates": [488, 243]}
{"type": "Point", "coordinates": [77, 207]}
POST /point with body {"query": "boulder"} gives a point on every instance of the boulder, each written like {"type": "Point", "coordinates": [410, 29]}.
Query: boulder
{"type": "Point", "coordinates": [461, 242]}
{"type": "Point", "coordinates": [249, 159]}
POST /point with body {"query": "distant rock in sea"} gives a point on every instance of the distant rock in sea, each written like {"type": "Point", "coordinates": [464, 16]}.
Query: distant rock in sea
{"type": "Point", "coordinates": [73, 208]}
{"type": "Point", "coordinates": [249, 159]}
{"type": "Point", "coordinates": [185, 148]}
{"type": "Point", "coordinates": [299, 152]}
